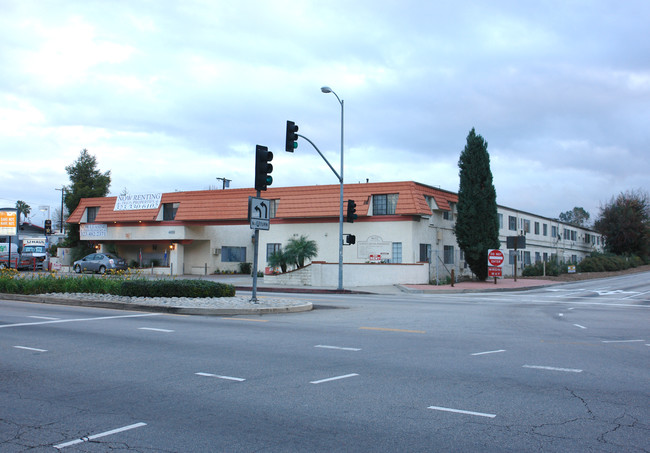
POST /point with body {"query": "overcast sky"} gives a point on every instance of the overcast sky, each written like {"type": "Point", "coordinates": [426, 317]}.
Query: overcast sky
{"type": "Point", "coordinates": [172, 95]}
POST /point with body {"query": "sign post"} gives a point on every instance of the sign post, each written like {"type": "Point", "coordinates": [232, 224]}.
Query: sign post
{"type": "Point", "coordinates": [259, 215]}
{"type": "Point", "coordinates": [9, 227]}
{"type": "Point", "coordinates": [495, 263]}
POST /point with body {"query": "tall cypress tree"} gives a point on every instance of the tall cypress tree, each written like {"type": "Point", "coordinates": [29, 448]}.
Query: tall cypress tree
{"type": "Point", "coordinates": [477, 225]}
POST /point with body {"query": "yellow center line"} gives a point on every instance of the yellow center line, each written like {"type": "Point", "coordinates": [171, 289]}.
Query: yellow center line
{"type": "Point", "coordinates": [248, 319]}
{"type": "Point", "coordinates": [385, 329]}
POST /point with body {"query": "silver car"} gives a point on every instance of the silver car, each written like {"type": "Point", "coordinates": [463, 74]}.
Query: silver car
{"type": "Point", "coordinates": [99, 262]}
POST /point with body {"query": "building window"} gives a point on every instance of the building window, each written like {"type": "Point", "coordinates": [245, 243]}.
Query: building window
{"type": "Point", "coordinates": [574, 235]}
{"type": "Point", "coordinates": [448, 254]}
{"type": "Point", "coordinates": [396, 256]}
{"type": "Point", "coordinates": [447, 215]}
{"type": "Point", "coordinates": [169, 210]}
{"type": "Point", "coordinates": [271, 248]}
{"type": "Point", "coordinates": [545, 256]}
{"type": "Point", "coordinates": [512, 223]}
{"type": "Point", "coordinates": [384, 204]}
{"type": "Point", "coordinates": [527, 258]}
{"type": "Point", "coordinates": [545, 229]}
{"type": "Point", "coordinates": [536, 227]}
{"type": "Point", "coordinates": [425, 253]}
{"type": "Point", "coordinates": [554, 232]}
{"type": "Point", "coordinates": [233, 254]}
{"type": "Point", "coordinates": [538, 257]}
{"type": "Point", "coordinates": [500, 221]}
{"type": "Point", "coordinates": [525, 225]}
{"type": "Point", "coordinates": [91, 214]}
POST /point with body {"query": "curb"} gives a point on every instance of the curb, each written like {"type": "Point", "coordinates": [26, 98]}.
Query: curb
{"type": "Point", "coordinates": [469, 291]}
{"type": "Point", "coordinates": [307, 306]}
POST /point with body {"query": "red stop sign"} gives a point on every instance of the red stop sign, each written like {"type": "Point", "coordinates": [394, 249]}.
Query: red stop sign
{"type": "Point", "coordinates": [495, 257]}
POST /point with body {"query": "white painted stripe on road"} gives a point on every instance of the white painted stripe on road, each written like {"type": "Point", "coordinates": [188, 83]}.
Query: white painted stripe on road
{"type": "Point", "coordinates": [489, 352]}
{"type": "Point", "coordinates": [578, 325]}
{"type": "Point", "coordinates": [30, 349]}
{"type": "Point", "coordinates": [97, 436]}
{"type": "Point", "coordinates": [459, 411]}
{"type": "Point", "coordinates": [551, 368]}
{"type": "Point", "coordinates": [43, 317]}
{"type": "Point", "coordinates": [228, 378]}
{"type": "Point", "coordinates": [324, 346]}
{"type": "Point", "coordinates": [334, 378]}
{"type": "Point", "coordinates": [623, 341]}
{"type": "Point", "coordinates": [560, 314]}
{"type": "Point", "coordinates": [153, 329]}
{"type": "Point", "coordinates": [58, 321]}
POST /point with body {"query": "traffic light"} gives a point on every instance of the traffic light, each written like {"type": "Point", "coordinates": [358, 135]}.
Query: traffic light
{"type": "Point", "coordinates": [48, 227]}
{"type": "Point", "coordinates": [263, 168]}
{"type": "Point", "coordinates": [350, 239]}
{"type": "Point", "coordinates": [352, 209]}
{"type": "Point", "coordinates": [292, 137]}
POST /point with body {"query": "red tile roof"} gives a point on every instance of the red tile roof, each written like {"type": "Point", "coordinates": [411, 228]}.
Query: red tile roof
{"type": "Point", "coordinates": [293, 202]}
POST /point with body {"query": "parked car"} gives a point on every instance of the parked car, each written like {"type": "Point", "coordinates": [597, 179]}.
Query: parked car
{"type": "Point", "coordinates": [99, 262]}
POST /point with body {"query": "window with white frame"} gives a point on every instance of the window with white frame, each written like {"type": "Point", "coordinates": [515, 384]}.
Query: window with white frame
{"type": "Point", "coordinates": [448, 257]}
{"type": "Point", "coordinates": [271, 248]}
{"type": "Point", "coordinates": [512, 223]}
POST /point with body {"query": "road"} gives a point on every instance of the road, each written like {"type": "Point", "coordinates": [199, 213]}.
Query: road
{"type": "Point", "coordinates": [563, 368]}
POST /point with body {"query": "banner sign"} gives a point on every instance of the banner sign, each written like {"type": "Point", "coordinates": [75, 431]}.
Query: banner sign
{"type": "Point", "coordinates": [133, 202]}
{"type": "Point", "coordinates": [92, 230]}
{"type": "Point", "coordinates": [8, 222]}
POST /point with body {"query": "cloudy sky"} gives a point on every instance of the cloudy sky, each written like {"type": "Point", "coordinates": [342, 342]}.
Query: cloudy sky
{"type": "Point", "coordinates": [172, 95]}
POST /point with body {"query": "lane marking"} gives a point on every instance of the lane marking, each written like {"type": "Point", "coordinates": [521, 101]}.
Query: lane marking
{"type": "Point", "coordinates": [228, 378]}
{"type": "Point", "coordinates": [153, 329]}
{"type": "Point", "coordinates": [58, 321]}
{"type": "Point", "coordinates": [538, 367]}
{"type": "Point", "coordinates": [248, 319]}
{"type": "Point", "coordinates": [334, 378]}
{"type": "Point", "coordinates": [43, 317]}
{"type": "Point", "coordinates": [30, 349]}
{"type": "Point", "coordinates": [385, 329]}
{"type": "Point", "coordinates": [489, 352]}
{"type": "Point", "coordinates": [97, 436]}
{"type": "Point", "coordinates": [324, 346]}
{"type": "Point", "coordinates": [623, 341]}
{"type": "Point", "coordinates": [578, 325]}
{"type": "Point", "coordinates": [459, 411]}
{"type": "Point", "coordinates": [560, 314]}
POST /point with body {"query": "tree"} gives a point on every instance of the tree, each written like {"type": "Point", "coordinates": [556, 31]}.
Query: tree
{"type": "Point", "coordinates": [477, 225]}
{"type": "Point", "coordinates": [577, 216]}
{"type": "Point", "coordinates": [625, 224]}
{"type": "Point", "coordinates": [299, 250]}
{"type": "Point", "coordinates": [87, 182]}
{"type": "Point", "coordinates": [23, 208]}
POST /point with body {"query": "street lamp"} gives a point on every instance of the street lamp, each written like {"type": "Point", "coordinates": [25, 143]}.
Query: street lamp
{"type": "Point", "coordinates": [340, 287]}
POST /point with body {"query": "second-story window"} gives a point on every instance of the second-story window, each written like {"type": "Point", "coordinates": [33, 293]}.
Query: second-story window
{"type": "Point", "coordinates": [169, 210]}
{"type": "Point", "coordinates": [91, 214]}
{"type": "Point", "coordinates": [384, 204]}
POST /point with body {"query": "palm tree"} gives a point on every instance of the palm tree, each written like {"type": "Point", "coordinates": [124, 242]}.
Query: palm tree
{"type": "Point", "coordinates": [278, 259]}
{"type": "Point", "coordinates": [300, 249]}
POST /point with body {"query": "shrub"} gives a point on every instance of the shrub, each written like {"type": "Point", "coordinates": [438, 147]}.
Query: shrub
{"type": "Point", "coordinates": [175, 288]}
{"type": "Point", "coordinates": [537, 269]}
{"type": "Point", "coordinates": [245, 268]}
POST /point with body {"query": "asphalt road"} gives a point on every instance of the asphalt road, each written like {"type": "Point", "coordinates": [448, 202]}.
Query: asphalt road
{"type": "Point", "coordinates": [564, 368]}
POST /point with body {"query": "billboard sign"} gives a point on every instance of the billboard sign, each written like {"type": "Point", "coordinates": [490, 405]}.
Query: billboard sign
{"type": "Point", "coordinates": [8, 222]}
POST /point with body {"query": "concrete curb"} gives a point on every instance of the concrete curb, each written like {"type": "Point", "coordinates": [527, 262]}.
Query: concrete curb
{"type": "Point", "coordinates": [40, 299]}
{"type": "Point", "coordinates": [469, 291]}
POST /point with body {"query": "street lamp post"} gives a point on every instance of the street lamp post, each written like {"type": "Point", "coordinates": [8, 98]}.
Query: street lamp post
{"type": "Point", "coordinates": [340, 287]}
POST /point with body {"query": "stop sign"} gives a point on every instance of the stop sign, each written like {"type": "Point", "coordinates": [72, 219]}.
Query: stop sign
{"type": "Point", "coordinates": [495, 257]}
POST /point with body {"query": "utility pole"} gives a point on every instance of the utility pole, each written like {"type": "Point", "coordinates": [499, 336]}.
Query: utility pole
{"type": "Point", "coordinates": [226, 182]}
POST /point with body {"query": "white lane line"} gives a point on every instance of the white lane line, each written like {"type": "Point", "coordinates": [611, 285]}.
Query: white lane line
{"type": "Point", "coordinates": [324, 346]}
{"type": "Point", "coordinates": [551, 368]}
{"type": "Point", "coordinates": [228, 378]}
{"type": "Point", "coordinates": [334, 378]}
{"type": "Point", "coordinates": [489, 352]}
{"type": "Point", "coordinates": [578, 325]}
{"type": "Point", "coordinates": [153, 329]}
{"type": "Point", "coordinates": [97, 436]}
{"type": "Point", "coordinates": [623, 341]}
{"type": "Point", "coordinates": [560, 314]}
{"type": "Point", "coordinates": [58, 321]}
{"type": "Point", "coordinates": [43, 317]}
{"type": "Point", "coordinates": [30, 349]}
{"type": "Point", "coordinates": [459, 411]}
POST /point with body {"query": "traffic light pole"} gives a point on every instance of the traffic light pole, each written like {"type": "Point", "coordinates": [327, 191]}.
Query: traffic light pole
{"type": "Point", "coordinates": [255, 256]}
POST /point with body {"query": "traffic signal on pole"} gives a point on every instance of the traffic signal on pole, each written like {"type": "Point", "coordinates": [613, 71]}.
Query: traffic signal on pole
{"type": "Point", "coordinates": [292, 137]}
{"type": "Point", "coordinates": [352, 209]}
{"type": "Point", "coordinates": [48, 227]}
{"type": "Point", "coordinates": [263, 168]}
{"type": "Point", "coordinates": [350, 239]}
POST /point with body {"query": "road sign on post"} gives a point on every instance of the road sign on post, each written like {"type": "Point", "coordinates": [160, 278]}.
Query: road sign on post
{"type": "Point", "coordinates": [259, 210]}
{"type": "Point", "coordinates": [495, 263]}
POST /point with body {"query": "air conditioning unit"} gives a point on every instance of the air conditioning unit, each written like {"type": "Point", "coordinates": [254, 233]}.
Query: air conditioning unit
{"type": "Point", "coordinates": [216, 251]}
